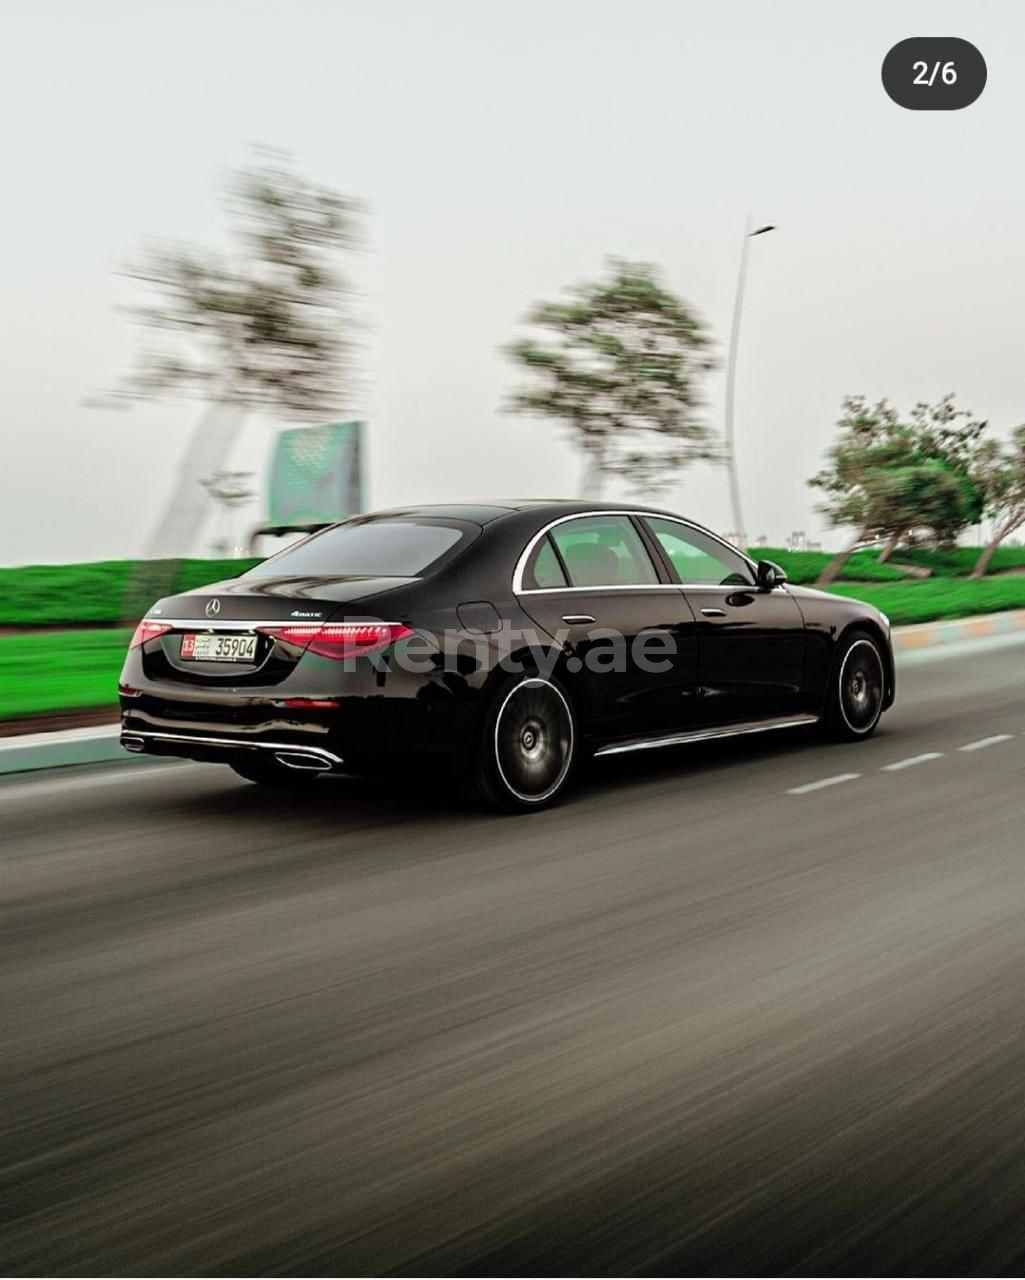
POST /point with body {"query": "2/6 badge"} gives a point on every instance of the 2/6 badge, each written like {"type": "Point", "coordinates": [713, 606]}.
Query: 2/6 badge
{"type": "Point", "coordinates": [934, 73]}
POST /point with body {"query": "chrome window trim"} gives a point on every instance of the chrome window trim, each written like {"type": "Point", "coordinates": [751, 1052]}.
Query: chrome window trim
{"type": "Point", "coordinates": [521, 564]}
{"type": "Point", "coordinates": [719, 586]}
{"type": "Point", "coordinates": [619, 586]}
{"type": "Point", "coordinates": [654, 586]}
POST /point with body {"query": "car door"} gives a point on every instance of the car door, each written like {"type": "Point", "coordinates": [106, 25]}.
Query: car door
{"type": "Point", "coordinates": [750, 641]}
{"type": "Point", "coordinates": [629, 633]}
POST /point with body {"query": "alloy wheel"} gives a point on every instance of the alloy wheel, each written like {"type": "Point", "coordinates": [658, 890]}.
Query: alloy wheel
{"type": "Point", "coordinates": [861, 686]}
{"type": "Point", "coordinates": [533, 740]}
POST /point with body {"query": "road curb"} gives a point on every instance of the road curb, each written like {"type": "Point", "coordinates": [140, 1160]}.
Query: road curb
{"type": "Point", "coordinates": [29, 751]}
{"type": "Point", "coordinates": [926, 634]}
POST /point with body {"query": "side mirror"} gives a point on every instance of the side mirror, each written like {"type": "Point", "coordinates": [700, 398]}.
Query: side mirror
{"type": "Point", "coordinates": [769, 575]}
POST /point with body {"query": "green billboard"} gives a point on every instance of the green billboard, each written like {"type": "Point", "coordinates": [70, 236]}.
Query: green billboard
{"type": "Point", "coordinates": [316, 474]}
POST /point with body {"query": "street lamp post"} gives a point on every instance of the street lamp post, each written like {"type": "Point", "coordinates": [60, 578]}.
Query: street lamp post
{"type": "Point", "coordinates": [731, 372]}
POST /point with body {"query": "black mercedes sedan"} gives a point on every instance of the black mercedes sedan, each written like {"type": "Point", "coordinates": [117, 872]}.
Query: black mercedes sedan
{"type": "Point", "coordinates": [505, 642]}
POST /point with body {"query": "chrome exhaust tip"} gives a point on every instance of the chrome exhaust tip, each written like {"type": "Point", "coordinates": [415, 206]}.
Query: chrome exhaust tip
{"type": "Point", "coordinates": [131, 743]}
{"type": "Point", "coordinates": [301, 760]}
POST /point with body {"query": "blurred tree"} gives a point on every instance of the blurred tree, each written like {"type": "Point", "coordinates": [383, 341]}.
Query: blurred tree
{"type": "Point", "coordinates": [950, 440]}
{"type": "Point", "coordinates": [229, 490]}
{"type": "Point", "coordinates": [260, 328]}
{"type": "Point", "coordinates": [1001, 474]}
{"type": "Point", "coordinates": [619, 364]}
{"type": "Point", "coordinates": [888, 477]}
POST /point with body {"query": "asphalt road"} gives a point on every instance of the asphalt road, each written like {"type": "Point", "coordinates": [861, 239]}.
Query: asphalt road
{"type": "Point", "coordinates": [698, 1019]}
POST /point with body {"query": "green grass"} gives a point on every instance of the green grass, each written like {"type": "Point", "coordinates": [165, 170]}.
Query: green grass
{"type": "Point", "coordinates": [805, 566]}
{"type": "Point", "coordinates": [864, 566]}
{"type": "Point", "coordinates": [106, 592]}
{"type": "Point", "coordinates": [958, 562]}
{"type": "Point", "coordinates": [937, 598]}
{"type": "Point", "coordinates": [60, 670]}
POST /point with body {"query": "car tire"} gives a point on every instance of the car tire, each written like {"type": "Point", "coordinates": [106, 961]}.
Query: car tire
{"type": "Point", "coordinates": [269, 773]}
{"type": "Point", "coordinates": [857, 688]}
{"type": "Point", "coordinates": [525, 747]}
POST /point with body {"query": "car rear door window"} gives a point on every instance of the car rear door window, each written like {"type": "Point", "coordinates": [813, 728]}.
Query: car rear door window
{"type": "Point", "coordinates": [604, 551]}
{"type": "Point", "coordinates": [543, 571]}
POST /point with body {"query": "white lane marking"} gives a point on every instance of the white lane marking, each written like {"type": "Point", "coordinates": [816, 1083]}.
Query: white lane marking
{"type": "Point", "coordinates": [45, 785]}
{"type": "Point", "coordinates": [987, 742]}
{"type": "Point", "coordinates": [823, 782]}
{"type": "Point", "coordinates": [913, 760]}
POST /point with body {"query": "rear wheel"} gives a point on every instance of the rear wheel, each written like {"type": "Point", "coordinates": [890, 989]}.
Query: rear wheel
{"type": "Point", "coordinates": [856, 688]}
{"type": "Point", "coordinates": [526, 747]}
{"type": "Point", "coordinates": [270, 773]}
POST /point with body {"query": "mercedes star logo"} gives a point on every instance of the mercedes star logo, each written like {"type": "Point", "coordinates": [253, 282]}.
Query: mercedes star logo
{"type": "Point", "coordinates": [213, 608]}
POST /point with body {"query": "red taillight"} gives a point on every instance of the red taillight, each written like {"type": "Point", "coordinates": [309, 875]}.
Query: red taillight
{"type": "Point", "coordinates": [147, 631]}
{"type": "Point", "coordinates": [340, 639]}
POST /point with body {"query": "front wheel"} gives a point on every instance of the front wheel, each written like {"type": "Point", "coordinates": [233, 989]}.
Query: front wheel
{"type": "Point", "coordinates": [857, 687]}
{"type": "Point", "coordinates": [526, 746]}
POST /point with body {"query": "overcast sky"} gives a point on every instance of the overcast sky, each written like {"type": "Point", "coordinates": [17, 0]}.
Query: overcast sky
{"type": "Point", "coordinates": [503, 150]}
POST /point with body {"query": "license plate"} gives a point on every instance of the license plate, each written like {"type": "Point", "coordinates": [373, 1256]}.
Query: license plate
{"type": "Point", "coordinates": [221, 648]}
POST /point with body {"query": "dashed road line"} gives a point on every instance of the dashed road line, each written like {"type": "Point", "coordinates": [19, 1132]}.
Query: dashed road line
{"type": "Point", "coordinates": [987, 742]}
{"type": "Point", "coordinates": [823, 782]}
{"type": "Point", "coordinates": [913, 760]}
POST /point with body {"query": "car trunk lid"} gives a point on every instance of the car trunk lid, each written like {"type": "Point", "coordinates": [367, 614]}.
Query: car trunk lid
{"type": "Point", "coordinates": [224, 634]}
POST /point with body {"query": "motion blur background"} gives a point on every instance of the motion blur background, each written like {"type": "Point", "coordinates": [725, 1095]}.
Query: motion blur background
{"type": "Point", "coordinates": [753, 1007]}
{"type": "Point", "coordinates": [502, 150]}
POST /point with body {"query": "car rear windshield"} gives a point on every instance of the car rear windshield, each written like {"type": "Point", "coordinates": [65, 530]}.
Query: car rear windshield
{"type": "Point", "coordinates": [405, 548]}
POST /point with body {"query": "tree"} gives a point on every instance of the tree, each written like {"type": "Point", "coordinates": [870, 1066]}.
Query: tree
{"type": "Point", "coordinates": [949, 440]}
{"type": "Point", "coordinates": [259, 328]}
{"type": "Point", "coordinates": [888, 476]}
{"type": "Point", "coordinates": [1001, 473]}
{"type": "Point", "coordinates": [619, 364]}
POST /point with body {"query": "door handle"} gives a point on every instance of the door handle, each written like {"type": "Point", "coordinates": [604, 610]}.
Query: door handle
{"type": "Point", "coordinates": [573, 618]}
{"type": "Point", "coordinates": [714, 613]}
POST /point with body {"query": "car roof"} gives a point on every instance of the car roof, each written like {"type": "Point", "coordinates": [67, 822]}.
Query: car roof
{"type": "Point", "coordinates": [485, 512]}
{"type": "Point", "coordinates": [477, 512]}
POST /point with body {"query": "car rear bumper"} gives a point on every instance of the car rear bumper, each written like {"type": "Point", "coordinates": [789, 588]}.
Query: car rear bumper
{"type": "Point", "coordinates": [335, 732]}
{"type": "Point", "coordinates": [213, 747]}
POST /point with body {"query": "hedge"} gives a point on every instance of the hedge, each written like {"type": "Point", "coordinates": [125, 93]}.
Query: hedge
{"type": "Point", "coordinates": [60, 671]}
{"type": "Point", "coordinates": [107, 591]}
{"type": "Point", "coordinates": [806, 566]}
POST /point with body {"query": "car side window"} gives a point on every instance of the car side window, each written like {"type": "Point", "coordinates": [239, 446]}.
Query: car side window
{"type": "Point", "coordinates": [543, 571]}
{"type": "Point", "coordinates": [604, 551]}
{"type": "Point", "coordinates": [698, 558]}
